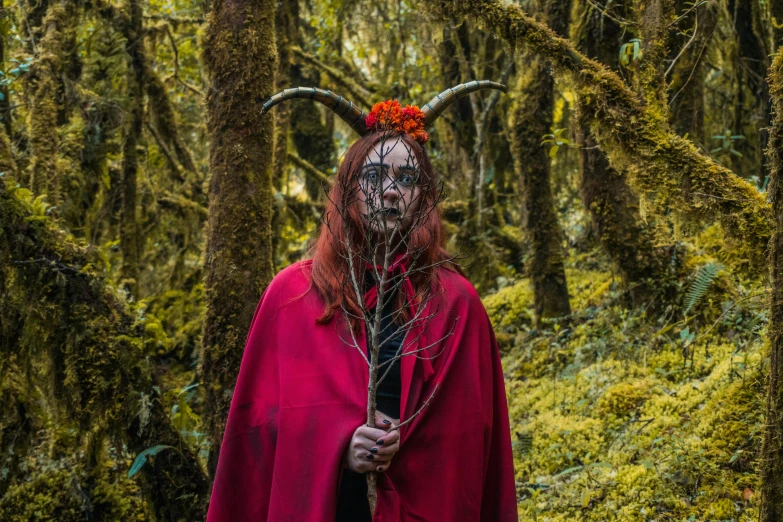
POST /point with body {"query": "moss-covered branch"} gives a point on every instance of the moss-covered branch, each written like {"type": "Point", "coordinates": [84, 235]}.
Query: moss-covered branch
{"type": "Point", "coordinates": [85, 327]}
{"type": "Point", "coordinates": [359, 94]}
{"type": "Point", "coordinates": [660, 165]}
{"type": "Point", "coordinates": [309, 169]}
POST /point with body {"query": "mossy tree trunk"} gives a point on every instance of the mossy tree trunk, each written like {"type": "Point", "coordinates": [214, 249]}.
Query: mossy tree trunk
{"type": "Point", "coordinates": [129, 227]}
{"type": "Point", "coordinates": [614, 210]}
{"type": "Point", "coordinates": [42, 89]}
{"type": "Point", "coordinates": [532, 117]}
{"type": "Point", "coordinates": [241, 58]}
{"type": "Point", "coordinates": [772, 449]}
{"type": "Point", "coordinates": [753, 50]}
{"type": "Point", "coordinates": [639, 142]}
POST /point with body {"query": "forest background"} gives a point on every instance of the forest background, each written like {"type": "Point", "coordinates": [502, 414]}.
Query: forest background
{"type": "Point", "coordinates": [618, 206]}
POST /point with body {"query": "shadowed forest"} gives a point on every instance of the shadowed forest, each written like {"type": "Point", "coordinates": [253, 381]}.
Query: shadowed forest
{"type": "Point", "coordinates": [619, 211]}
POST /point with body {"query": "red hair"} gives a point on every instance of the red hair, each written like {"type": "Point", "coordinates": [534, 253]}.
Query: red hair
{"type": "Point", "coordinates": [330, 268]}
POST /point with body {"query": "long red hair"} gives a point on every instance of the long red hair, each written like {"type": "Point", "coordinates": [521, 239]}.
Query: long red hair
{"type": "Point", "coordinates": [330, 268]}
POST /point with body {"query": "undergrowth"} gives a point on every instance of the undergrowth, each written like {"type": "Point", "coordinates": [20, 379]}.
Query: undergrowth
{"type": "Point", "coordinates": [617, 415]}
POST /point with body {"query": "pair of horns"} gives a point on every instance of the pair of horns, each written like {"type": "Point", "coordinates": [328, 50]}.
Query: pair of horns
{"type": "Point", "coordinates": [354, 116]}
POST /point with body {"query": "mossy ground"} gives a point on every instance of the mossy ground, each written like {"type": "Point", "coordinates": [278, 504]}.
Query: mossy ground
{"type": "Point", "coordinates": [619, 416]}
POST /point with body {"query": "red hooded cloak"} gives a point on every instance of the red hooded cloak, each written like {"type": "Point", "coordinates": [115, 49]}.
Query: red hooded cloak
{"type": "Point", "coordinates": [302, 392]}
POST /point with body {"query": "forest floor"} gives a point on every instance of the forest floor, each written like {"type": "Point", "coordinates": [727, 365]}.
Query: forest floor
{"type": "Point", "coordinates": [619, 416]}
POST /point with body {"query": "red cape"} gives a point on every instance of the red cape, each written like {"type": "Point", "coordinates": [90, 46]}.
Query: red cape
{"type": "Point", "coordinates": [302, 392]}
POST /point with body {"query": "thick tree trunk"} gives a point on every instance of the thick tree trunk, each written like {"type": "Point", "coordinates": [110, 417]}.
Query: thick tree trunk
{"type": "Point", "coordinates": [772, 448]}
{"type": "Point", "coordinates": [753, 51]}
{"type": "Point", "coordinates": [241, 58]}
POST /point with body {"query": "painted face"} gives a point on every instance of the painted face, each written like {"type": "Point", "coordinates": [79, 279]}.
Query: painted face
{"type": "Point", "coordinates": [390, 194]}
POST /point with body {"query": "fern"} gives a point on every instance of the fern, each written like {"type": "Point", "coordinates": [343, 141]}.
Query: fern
{"type": "Point", "coordinates": [701, 284]}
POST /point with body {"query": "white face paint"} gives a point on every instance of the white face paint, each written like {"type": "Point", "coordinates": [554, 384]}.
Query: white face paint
{"type": "Point", "coordinates": [390, 194]}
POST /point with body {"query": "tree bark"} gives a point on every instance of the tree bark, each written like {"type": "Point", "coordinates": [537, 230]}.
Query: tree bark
{"type": "Point", "coordinates": [532, 117]}
{"type": "Point", "coordinates": [241, 59]}
{"type": "Point", "coordinates": [686, 88]}
{"type": "Point", "coordinates": [613, 208]}
{"type": "Point", "coordinates": [772, 448]}
{"type": "Point", "coordinates": [129, 228]}
{"type": "Point", "coordinates": [42, 84]}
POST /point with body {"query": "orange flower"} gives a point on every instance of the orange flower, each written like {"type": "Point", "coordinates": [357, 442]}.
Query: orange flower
{"type": "Point", "coordinates": [391, 116]}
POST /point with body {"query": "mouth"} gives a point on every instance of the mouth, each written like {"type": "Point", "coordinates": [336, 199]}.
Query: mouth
{"type": "Point", "coordinates": [389, 213]}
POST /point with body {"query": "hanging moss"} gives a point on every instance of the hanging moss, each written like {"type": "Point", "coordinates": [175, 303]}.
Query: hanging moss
{"type": "Point", "coordinates": [96, 345]}
{"type": "Point", "coordinates": [659, 165]}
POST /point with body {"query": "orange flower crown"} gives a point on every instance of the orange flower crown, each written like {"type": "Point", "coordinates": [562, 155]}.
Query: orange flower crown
{"type": "Point", "coordinates": [390, 115]}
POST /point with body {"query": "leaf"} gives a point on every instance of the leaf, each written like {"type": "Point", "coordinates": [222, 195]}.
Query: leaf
{"type": "Point", "coordinates": [553, 152]}
{"type": "Point", "coordinates": [586, 498]}
{"type": "Point", "coordinates": [141, 458]}
{"type": "Point", "coordinates": [747, 493]}
{"type": "Point", "coordinates": [701, 284]}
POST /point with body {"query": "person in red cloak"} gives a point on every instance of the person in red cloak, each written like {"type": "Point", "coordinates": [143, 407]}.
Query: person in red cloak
{"type": "Point", "coordinates": [296, 445]}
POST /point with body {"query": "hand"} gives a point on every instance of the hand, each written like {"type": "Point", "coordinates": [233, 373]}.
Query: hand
{"type": "Point", "coordinates": [371, 449]}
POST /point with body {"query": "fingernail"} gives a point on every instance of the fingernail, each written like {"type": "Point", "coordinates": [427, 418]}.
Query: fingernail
{"type": "Point", "coordinates": [379, 441]}
{"type": "Point", "coordinates": [370, 456]}
{"type": "Point", "coordinates": [386, 421]}
{"type": "Point", "coordinates": [379, 468]}
{"type": "Point", "coordinates": [374, 450]}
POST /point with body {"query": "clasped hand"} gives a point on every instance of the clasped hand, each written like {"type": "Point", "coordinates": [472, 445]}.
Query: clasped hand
{"type": "Point", "coordinates": [371, 449]}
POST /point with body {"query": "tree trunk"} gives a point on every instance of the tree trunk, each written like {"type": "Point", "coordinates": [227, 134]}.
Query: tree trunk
{"type": "Point", "coordinates": [532, 117]}
{"type": "Point", "coordinates": [614, 209]}
{"type": "Point", "coordinates": [772, 447]}
{"type": "Point", "coordinates": [241, 59]}
{"type": "Point", "coordinates": [129, 228]}
{"type": "Point", "coordinates": [686, 88]}
{"type": "Point", "coordinates": [42, 84]}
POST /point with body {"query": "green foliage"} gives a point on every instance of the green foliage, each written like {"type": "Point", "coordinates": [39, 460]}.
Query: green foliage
{"type": "Point", "coordinates": [556, 139]}
{"type": "Point", "coordinates": [704, 278]}
{"type": "Point", "coordinates": [630, 52]}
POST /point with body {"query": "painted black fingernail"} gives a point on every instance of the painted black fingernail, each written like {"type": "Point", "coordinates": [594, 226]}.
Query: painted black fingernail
{"type": "Point", "coordinates": [386, 421]}
{"type": "Point", "coordinates": [379, 468]}
{"type": "Point", "coordinates": [379, 441]}
{"type": "Point", "coordinates": [370, 456]}
{"type": "Point", "coordinates": [374, 450]}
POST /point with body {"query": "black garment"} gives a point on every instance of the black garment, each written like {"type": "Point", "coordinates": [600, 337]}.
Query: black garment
{"type": "Point", "coordinates": [352, 505]}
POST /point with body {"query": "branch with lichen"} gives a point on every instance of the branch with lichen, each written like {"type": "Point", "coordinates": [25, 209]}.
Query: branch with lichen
{"type": "Point", "coordinates": [359, 93]}
{"type": "Point", "coordinates": [665, 168]}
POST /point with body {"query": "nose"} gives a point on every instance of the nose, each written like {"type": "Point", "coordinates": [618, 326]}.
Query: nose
{"type": "Point", "coordinates": [390, 193]}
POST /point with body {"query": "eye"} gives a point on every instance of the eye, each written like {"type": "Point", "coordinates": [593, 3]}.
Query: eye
{"type": "Point", "coordinates": [406, 180]}
{"type": "Point", "coordinates": [370, 176]}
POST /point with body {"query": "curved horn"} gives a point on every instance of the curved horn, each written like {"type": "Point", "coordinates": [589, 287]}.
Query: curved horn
{"type": "Point", "coordinates": [350, 113]}
{"type": "Point", "coordinates": [440, 102]}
